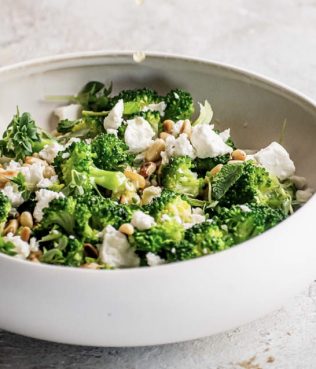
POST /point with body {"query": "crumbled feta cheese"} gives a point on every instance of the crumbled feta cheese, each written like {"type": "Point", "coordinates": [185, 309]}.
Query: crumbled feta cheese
{"type": "Point", "coordinates": [112, 131]}
{"type": "Point", "coordinates": [50, 151]}
{"type": "Point", "coordinates": [245, 208]}
{"type": "Point", "coordinates": [115, 250]}
{"type": "Point", "coordinates": [21, 247]}
{"type": "Point", "coordinates": [197, 211]}
{"type": "Point", "coordinates": [183, 147]}
{"type": "Point", "coordinates": [276, 160]}
{"type": "Point", "coordinates": [150, 193]}
{"type": "Point", "coordinates": [13, 165]}
{"type": "Point", "coordinates": [138, 135]}
{"type": "Point", "coordinates": [303, 195]}
{"type": "Point", "coordinates": [34, 244]}
{"type": "Point", "coordinates": [177, 127]}
{"type": "Point", "coordinates": [115, 117]}
{"type": "Point", "coordinates": [71, 112]}
{"type": "Point", "coordinates": [224, 227]}
{"type": "Point", "coordinates": [160, 107]}
{"type": "Point", "coordinates": [47, 182]}
{"type": "Point", "coordinates": [225, 134]}
{"type": "Point", "coordinates": [71, 141]}
{"type": "Point", "coordinates": [195, 219]}
{"type": "Point", "coordinates": [33, 173]}
{"type": "Point", "coordinates": [207, 142]}
{"type": "Point", "coordinates": [12, 192]}
{"type": "Point", "coordinates": [153, 259]}
{"type": "Point", "coordinates": [43, 198]}
{"type": "Point", "coordinates": [65, 155]}
{"type": "Point", "coordinates": [142, 221]}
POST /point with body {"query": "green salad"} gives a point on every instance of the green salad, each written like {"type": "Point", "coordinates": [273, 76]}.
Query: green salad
{"type": "Point", "coordinates": [136, 179]}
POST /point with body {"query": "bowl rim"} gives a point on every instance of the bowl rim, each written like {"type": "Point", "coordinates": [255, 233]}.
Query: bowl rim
{"type": "Point", "coordinates": [254, 76]}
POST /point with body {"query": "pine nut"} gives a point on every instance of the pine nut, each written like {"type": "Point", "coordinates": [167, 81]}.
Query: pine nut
{"type": "Point", "coordinates": [34, 160]}
{"type": "Point", "coordinates": [168, 125]}
{"type": "Point", "coordinates": [26, 219]}
{"type": "Point", "coordinates": [48, 172]}
{"type": "Point", "coordinates": [186, 127]}
{"type": "Point", "coordinates": [239, 155]}
{"type": "Point", "coordinates": [216, 169]}
{"type": "Point", "coordinates": [127, 229]}
{"type": "Point", "coordinates": [153, 152]}
{"type": "Point", "coordinates": [164, 135]}
{"type": "Point", "coordinates": [147, 169]}
{"type": "Point", "coordinates": [11, 227]}
{"type": "Point", "coordinates": [25, 234]}
{"type": "Point", "coordinates": [136, 178]}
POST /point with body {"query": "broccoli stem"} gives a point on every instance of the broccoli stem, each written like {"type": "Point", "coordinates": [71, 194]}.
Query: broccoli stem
{"type": "Point", "coordinates": [113, 181]}
{"type": "Point", "coordinates": [89, 113]}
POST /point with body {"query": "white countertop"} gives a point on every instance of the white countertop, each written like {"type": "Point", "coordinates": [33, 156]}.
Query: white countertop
{"type": "Point", "coordinates": [275, 38]}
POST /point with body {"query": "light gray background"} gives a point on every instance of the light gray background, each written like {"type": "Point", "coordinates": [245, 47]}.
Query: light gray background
{"type": "Point", "coordinates": [275, 38]}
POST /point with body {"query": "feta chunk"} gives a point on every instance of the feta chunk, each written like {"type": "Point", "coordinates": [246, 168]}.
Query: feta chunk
{"type": "Point", "coordinates": [225, 134]}
{"type": "Point", "coordinates": [47, 182]}
{"type": "Point", "coordinates": [21, 247]}
{"type": "Point", "coordinates": [154, 260]}
{"type": "Point", "coordinates": [142, 221]}
{"type": "Point", "coordinates": [115, 117]}
{"type": "Point", "coordinates": [50, 152]}
{"type": "Point", "coordinates": [160, 107]}
{"type": "Point", "coordinates": [207, 143]}
{"type": "Point", "coordinates": [115, 250]}
{"type": "Point", "coordinates": [245, 208]}
{"type": "Point", "coordinates": [12, 192]}
{"type": "Point", "coordinates": [150, 193]}
{"type": "Point", "coordinates": [177, 127]}
{"type": "Point", "coordinates": [195, 219]}
{"type": "Point", "coordinates": [276, 160]}
{"type": "Point", "coordinates": [112, 131]}
{"type": "Point", "coordinates": [43, 198]}
{"type": "Point", "coordinates": [138, 135]}
{"type": "Point", "coordinates": [70, 112]}
{"type": "Point", "coordinates": [183, 147]}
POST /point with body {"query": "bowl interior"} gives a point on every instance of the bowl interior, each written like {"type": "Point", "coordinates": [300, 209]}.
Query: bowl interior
{"type": "Point", "coordinates": [253, 108]}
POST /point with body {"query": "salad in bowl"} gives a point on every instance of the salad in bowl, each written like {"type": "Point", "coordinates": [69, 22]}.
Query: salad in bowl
{"type": "Point", "coordinates": [136, 179]}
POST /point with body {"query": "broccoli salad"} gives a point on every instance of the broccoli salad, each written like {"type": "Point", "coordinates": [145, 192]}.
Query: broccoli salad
{"type": "Point", "coordinates": [136, 179]}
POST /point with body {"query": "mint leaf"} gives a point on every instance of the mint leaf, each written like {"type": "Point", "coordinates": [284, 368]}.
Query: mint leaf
{"type": "Point", "coordinates": [225, 179]}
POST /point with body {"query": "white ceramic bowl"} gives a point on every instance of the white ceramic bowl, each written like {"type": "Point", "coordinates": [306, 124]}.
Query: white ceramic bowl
{"type": "Point", "coordinates": [180, 301]}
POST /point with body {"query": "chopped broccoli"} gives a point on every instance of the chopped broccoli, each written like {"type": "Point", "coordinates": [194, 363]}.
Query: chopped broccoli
{"type": "Point", "coordinates": [205, 165]}
{"type": "Point", "coordinates": [179, 105]}
{"type": "Point", "coordinates": [22, 137]}
{"type": "Point", "coordinates": [248, 220]}
{"type": "Point", "coordinates": [86, 127]}
{"type": "Point", "coordinates": [135, 100]}
{"type": "Point", "coordinates": [61, 249]}
{"type": "Point", "coordinates": [161, 239]}
{"type": "Point", "coordinates": [169, 205]}
{"type": "Point", "coordinates": [7, 247]}
{"type": "Point", "coordinates": [5, 207]}
{"type": "Point", "coordinates": [105, 211]}
{"type": "Point", "coordinates": [256, 185]}
{"type": "Point", "coordinates": [111, 153]}
{"type": "Point", "coordinates": [178, 176]}
{"type": "Point", "coordinates": [76, 169]}
{"type": "Point", "coordinates": [202, 239]}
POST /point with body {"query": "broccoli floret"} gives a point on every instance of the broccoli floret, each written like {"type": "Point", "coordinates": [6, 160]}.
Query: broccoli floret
{"type": "Point", "coordinates": [161, 240]}
{"type": "Point", "coordinates": [76, 169]}
{"type": "Point", "coordinates": [256, 185]}
{"type": "Point", "coordinates": [5, 207]}
{"type": "Point", "coordinates": [87, 127]}
{"type": "Point", "coordinates": [135, 100]}
{"type": "Point", "coordinates": [22, 137]}
{"type": "Point", "coordinates": [7, 247]}
{"type": "Point", "coordinates": [248, 220]}
{"type": "Point", "coordinates": [105, 211]}
{"type": "Point", "coordinates": [205, 165]}
{"type": "Point", "coordinates": [179, 105]}
{"type": "Point", "coordinates": [202, 239]}
{"type": "Point", "coordinates": [111, 153]}
{"type": "Point", "coordinates": [178, 176]}
{"type": "Point", "coordinates": [169, 205]}
{"type": "Point", "coordinates": [67, 214]}
{"type": "Point", "coordinates": [61, 249]}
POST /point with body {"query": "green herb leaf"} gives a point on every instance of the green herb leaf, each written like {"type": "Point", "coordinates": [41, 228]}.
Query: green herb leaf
{"type": "Point", "coordinates": [7, 247]}
{"type": "Point", "coordinates": [225, 179]}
